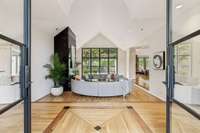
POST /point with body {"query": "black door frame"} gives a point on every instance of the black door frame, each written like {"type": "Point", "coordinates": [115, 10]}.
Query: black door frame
{"type": "Point", "coordinates": [170, 68]}
{"type": "Point", "coordinates": [21, 45]}
{"type": "Point", "coordinates": [170, 73]}
{"type": "Point", "coordinates": [25, 71]}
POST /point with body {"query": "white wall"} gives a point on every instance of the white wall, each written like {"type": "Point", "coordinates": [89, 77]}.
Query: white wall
{"type": "Point", "coordinates": [100, 41]}
{"type": "Point", "coordinates": [156, 43]}
{"type": "Point", "coordinates": [42, 49]}
{"type": "Point", "coordinates": [131, 63]}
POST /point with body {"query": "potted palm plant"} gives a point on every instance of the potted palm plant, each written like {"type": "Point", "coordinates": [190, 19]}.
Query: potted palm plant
{"type": "Point", "coordinates": [57, 74]}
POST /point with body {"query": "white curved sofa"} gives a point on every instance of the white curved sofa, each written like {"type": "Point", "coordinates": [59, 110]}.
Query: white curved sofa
{"type": "Point", "coordinates": [102, 89]}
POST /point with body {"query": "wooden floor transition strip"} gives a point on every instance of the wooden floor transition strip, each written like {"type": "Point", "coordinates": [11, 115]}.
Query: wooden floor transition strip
{"type": "Point", "coordinates": [53, 124]}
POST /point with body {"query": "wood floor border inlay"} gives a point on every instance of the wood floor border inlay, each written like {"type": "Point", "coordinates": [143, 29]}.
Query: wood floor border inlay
{"type": "Point", "coordinates": [61, 114]}
{"type": "Point", "coordinates": [97, 107]}
{"type": "Point", "coordinates": [53, 124]}
{"type": "Point", "coordinates": [101, 102]}
{"type": "Point", "coordinates": [144, 126]}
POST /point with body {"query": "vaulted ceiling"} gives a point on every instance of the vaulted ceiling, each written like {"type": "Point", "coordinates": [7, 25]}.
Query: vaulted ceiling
{"type": "Point", "coordinates": [124, 22]}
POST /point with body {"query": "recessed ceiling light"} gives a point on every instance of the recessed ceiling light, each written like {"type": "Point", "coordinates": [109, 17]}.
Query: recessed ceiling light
{"type": "Point", "coordinates": [179, 6]}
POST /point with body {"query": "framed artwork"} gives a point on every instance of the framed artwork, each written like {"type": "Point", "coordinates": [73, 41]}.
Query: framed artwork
{"type": "Point", "coordinates": [159, 61]}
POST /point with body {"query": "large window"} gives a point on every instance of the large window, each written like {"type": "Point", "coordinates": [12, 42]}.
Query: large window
{"type": "Point", "coordinates": [142, 63]}
{"type": "Point", "coordinates": [97, 61]}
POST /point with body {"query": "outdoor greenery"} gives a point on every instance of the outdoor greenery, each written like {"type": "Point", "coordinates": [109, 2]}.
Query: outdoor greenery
{"type": "Point", "coordinates": [143, 63]}
{"type": "Point", "coordinates": [99, 60]}
{"type": "Point", "coordinates": [56, 70]}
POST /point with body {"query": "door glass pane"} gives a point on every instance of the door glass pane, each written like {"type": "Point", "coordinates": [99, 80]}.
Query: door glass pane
{"type": "Point", "coordinates": [187, 87]}
{"type": "Point", "coordinates": [12, 121]}
{"type": "Point", "coordinates": [186, 17]}
{"type": "Point", "coordinates": [11, 14]}
{"type": "Point", "coordinates": [10, 55]}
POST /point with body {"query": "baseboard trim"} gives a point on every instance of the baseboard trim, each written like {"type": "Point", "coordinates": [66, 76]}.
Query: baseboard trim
{"type": "Point", "coordinates": [38, 99]}
{"type": "Point", "coordinates": [162, 99]}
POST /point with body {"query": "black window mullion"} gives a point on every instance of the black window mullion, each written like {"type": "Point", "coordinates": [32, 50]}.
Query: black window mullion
{"type": "Point", "coordinates": [90, 61]}
{"type": "Point", "coordinates": [100, 58]}
{"type": "Point", "coordinates": [108, 60]}
{"type": "Point", "coordinates": [13, 41]}
{"type": "Point", "coordinates": [99, 61]}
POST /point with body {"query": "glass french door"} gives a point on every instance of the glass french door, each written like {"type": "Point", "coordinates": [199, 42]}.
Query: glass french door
{"type": "Point", "coordinates": [183, 74]}
{"type": "Point", "coordinates": [15, 103]}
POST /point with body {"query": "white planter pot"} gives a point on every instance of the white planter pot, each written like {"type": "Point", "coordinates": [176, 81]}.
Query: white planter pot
{"type": "Point", "coordinates": [57, 91]}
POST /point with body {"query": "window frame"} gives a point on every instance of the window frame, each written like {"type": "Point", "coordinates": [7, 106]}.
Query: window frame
{"type": "Point", "coordinates": [145, 60]}
{"type": "Point", "coordinates": [177, 57]}
{"type": "Point", "coordinates": [99, 58]}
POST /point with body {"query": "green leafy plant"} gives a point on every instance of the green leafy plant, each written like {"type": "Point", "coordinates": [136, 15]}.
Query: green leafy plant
{"type": "Point", "coordinates": [56, 70]}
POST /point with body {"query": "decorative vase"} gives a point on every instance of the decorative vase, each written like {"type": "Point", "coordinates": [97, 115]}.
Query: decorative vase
{"type": "Point", "coordinates": [57, 91]}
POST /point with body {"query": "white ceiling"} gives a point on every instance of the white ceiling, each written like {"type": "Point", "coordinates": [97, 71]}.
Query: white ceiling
{"type": "Point", "coordinates": [124, 22]}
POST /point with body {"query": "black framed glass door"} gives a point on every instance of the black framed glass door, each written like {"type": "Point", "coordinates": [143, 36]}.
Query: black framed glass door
{"type": "Point", "coordinates": [15, 40]}
{"type": "Point", "coordinates": [183, 79]}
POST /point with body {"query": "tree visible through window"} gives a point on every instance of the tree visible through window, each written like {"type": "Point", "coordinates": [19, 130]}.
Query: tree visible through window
{"type": "Point", "coordinates": [97, 61]}
{"type": "Point", "coordinates": [142, 64]}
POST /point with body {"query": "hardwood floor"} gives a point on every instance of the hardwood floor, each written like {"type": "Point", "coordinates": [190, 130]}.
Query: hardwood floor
{"type": "Point", "coordinates": [2, 105]}
{"type": "Point", "coordinates": [103, 120]}
{"type": "Point", "coordinates": [137, 95]}
{"type": "Point", "coordinates": [183, 122]}
{"type": "Point", "coordinates": [142, 80]}
{"type": "Point", "coordinates": [43, 114]}
{"type": "Point", "coordinates": [107, 115]}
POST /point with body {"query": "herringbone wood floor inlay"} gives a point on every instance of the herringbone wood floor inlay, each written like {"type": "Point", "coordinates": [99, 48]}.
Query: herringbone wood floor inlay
{"type": "Point", "coordinates": [102, 119]}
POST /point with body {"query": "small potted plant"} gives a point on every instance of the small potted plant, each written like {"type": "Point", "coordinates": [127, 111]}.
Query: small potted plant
{"type": "Point", "coordinates": [57, 74]}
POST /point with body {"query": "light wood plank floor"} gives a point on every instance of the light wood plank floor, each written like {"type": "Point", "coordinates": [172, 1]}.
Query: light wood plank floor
{"type": "Point", "coordinates": [143, 116]}
{"type": "Point", "coordinates": [2, 105]}
{"type": "Point", "coordinates": [183, 122]}
{"type": "Point", "coordinates": [137, 95]}
{"type": "Point", "coordinates": [44, 113]}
